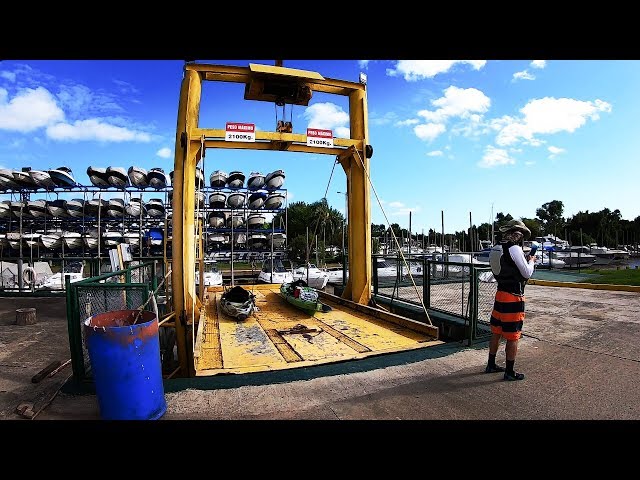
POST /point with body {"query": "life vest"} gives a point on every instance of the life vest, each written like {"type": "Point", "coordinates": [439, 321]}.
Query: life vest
{"type": "Point", "coordinates": [508, 276]}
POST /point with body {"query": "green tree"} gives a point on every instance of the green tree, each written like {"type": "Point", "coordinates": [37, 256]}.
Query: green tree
{"type": "Point", "coordinates": [550, 215]}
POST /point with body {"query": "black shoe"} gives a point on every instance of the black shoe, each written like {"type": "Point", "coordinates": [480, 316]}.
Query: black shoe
{"type": "Point", "coordinates": [513, 376]}
{"type": "Point", "coordinates": [493, 369]}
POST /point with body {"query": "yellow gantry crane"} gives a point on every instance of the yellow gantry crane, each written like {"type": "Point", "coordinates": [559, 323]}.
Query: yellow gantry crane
{"type": "Point", "coordinates": [280, 85]}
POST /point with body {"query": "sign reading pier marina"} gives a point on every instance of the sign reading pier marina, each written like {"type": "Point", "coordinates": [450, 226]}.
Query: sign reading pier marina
{"type": "Point", "coordinates": [319, 138]}
{"type": "Point", "coordinates": [240, 132]}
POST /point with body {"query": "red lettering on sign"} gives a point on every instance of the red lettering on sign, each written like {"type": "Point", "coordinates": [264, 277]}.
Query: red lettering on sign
{"type": "Point", "coordinates": [314, 132]}
{"type": "Point", "coordinates": [245, 127]}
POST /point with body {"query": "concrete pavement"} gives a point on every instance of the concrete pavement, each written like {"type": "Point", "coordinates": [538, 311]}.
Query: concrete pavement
{"type": "Point", "coordinates": [580, 355]}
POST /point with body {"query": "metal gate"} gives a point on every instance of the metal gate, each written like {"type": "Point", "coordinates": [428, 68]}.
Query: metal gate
{"type": "Point", "coordinates": [122, 290]}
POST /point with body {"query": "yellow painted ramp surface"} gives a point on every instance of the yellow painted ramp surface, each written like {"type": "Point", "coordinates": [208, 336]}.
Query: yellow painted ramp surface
{"type": "Point", "coordinates": [280, 336]}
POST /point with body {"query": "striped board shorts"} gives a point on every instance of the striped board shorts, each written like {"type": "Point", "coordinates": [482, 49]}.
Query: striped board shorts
{"type": "Point", "coordinates": [507, 315]}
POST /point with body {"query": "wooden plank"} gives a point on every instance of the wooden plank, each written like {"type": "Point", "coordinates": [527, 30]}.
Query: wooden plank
{"type": "Point", "coordinates": [37, 378]}
{"type": "Point", "coordinates": [357, 346]}
{"type": "Point", "coordinates": [245, 343]}
{"type": "Point", "coordinates": [381, 314]}
{"type": "Point", "coordinates": [320, 346]}
{"type": "Point", "coordinates": [210, 355]}
{"type": "Point", "coordinates": [287, 352]}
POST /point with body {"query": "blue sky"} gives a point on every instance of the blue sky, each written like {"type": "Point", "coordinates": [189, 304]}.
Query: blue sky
{"type": "Point", "coordinates": [456, 136]}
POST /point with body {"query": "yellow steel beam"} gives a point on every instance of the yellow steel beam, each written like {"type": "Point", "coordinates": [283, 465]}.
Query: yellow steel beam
{"type": "Point", "coordinates": [183, 206]}
{"type": "Point", "coordinates": [272, 70]}
{"type": "Point", "coordinates": [212, 133]}
{"type": "Point", "coordinates": [293, 147]}
{"type": "Point", "coordinates": [358, 286]}
{"type": "Point", "coordinates": [226, 73]}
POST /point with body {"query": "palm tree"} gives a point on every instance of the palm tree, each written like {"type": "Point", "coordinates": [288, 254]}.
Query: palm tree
{"type": "Point", "coordinates": [327, 220]}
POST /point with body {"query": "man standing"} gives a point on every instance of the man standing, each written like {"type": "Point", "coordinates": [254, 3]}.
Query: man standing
{"type": "Point", "coordinates": [511, 270]}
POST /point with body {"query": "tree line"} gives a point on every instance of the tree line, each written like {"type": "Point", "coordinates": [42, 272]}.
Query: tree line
{"type": "Point", "coordinates": [606, 228]}
{"type": "Point", "coordinates": [312, 227]}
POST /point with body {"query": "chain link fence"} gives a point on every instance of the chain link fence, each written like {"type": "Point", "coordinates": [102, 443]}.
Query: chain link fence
{"type": "Point", "coordinates": [126, 289]}
{"type": "Point", "coordinates": [457, 289]}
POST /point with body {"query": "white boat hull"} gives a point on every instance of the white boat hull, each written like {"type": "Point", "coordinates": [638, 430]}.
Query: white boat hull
{"type": "Point", "coordinates": [112, 240]}
{"type": "Point", "coordinates": [75, 209]}
{"type": "Point", "coordinates": [274, 180]}
{"type": "Point", "coordinates": [138, 177]}
{"type": "Point", "coordinates": [277, 239]}
{"type": "Point", "coordinates": [236, 221]}
{"type": "Point", "coordinates": [236, 200]}
{"type": "Point", "coordinates": [90, 242]}
{"type": "Point", "coordinates": [157, 179]}
{"type": "Point", "coordinates": [218, 200]}
{"type": "Point", "coordinates": [255, 221]}
{"type": "Point", "coordinates": [274, 201]}
{"type": "Point", "coordinates": [235, 180]}
{"type": "Point", "coordinates": [132, 239]}
{"type": "Point", "coordinates": [72, 242]}
{"type": "Point", "coordinates": [134, 209]}
{"type": "Point", "coordinates": [218, 179]}
{"type": "Point", "coordinates": [117, 177]}
{"type": "Point", "coordinates": [55, 281]}
{"type": "Point", "coordinates": [216, 221]}
{"type": "Point", "coordinates": [256, 181]}
{"type": "Point", "coordinates": [42, 179]}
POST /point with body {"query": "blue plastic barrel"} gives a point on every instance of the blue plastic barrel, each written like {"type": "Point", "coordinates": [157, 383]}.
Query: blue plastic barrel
{"type": "Point", "coordinates": [126, 366]}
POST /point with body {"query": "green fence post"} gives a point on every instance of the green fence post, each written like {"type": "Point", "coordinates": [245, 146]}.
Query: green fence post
{"type": "Point", "coordinates": [75, 332]}
{"type": "Point", "coordinates": [375, 275]}
{"type": "Point", "coordinates": [425, 274]}
{"type": "Point", "coordinates": [473, 304]}
{"type": "Point", "coordinates": [127, 279]}
{"type": "Point", "coordinates": [154, 277]}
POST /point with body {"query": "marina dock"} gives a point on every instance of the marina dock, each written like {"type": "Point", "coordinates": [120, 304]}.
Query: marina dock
{"type": "Point", "coordinates": [580, 353]}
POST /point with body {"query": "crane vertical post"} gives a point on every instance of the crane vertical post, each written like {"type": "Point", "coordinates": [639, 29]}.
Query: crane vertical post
{"type": "Point", "coordinates": [183, 248]}
{"type": "Point", "coordinates": [358, 286]}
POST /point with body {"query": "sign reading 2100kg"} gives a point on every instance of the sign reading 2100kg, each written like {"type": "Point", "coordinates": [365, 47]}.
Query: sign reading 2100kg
{"type": "Point", "coordinates": [319, 138]}
{"type": "Point", "coordinates": [240, 132]}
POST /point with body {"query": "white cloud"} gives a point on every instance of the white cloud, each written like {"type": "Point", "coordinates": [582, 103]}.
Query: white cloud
{"type": "Point", "coordinates": [342, 132]}
{"type": "Point", "coordinates": [494, 157]}
{"type": "Point", "coordinates": [28, 110]}
{"type": "Point", "coordinates": [328, 116]}
{"type": "Point", "coordinates": [164, 152]}
{"type": "Point", "coordinates": [523, 75]}
{"type": "Point", "coordinates": [398, 209]}
{"type": "Point", "coordinates": [549, 115]}
{"type": "Point", "coordinates": [457, 102]}
{"type": "Point", "coordinates": [11, 76]}
{"type": "Point", "coordinates": [126, 87]}
{"type": "Point", "coordinates": [410, 121]}
{"type": "Point", "coordinates": [555, 151]}
{"type": "Point", "coordinates": [429, 131]}
{"type": "Point", "coordinates": [388, 117]}
{"type": "Point", "coordinates": [363, 63]}
{"type": "Point", "coordinates": [80, 100]}
{"type": "Point", "coordinates": [96, 130]}
{"type": "Point", "coordinates": [539, 63]}
{"type": "Point", "coordinates": [413, 70]}
{"type": "Point", "coordinates": [435, 153]}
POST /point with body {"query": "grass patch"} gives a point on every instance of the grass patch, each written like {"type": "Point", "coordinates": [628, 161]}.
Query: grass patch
{"type": "Point", "coordinates": [624, 276]}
